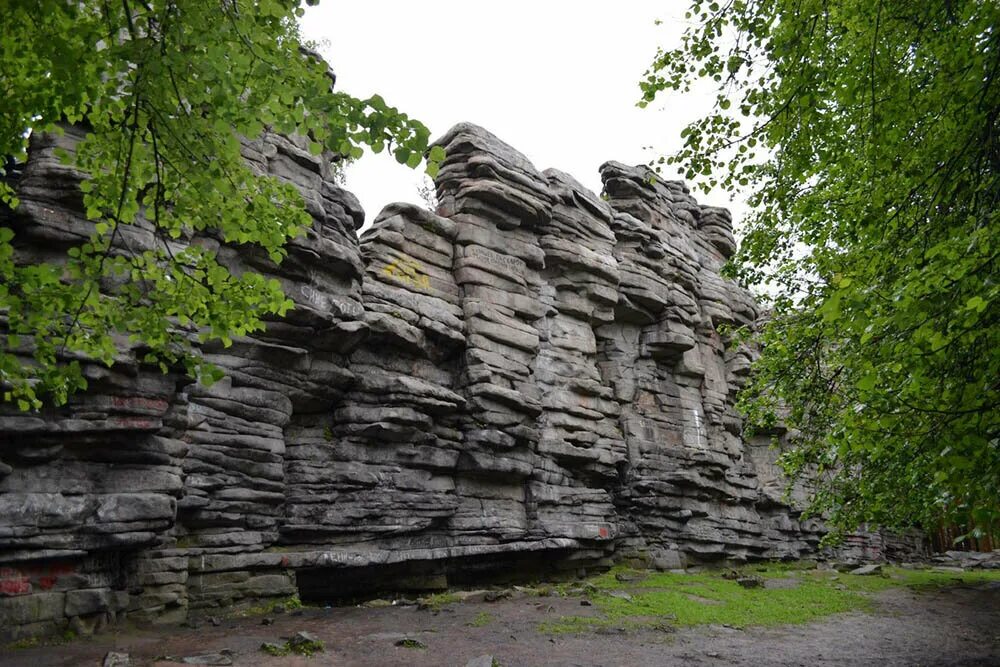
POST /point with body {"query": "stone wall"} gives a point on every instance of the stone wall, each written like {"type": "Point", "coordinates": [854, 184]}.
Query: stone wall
{"type": "Point", "coordinates": [530, 378]}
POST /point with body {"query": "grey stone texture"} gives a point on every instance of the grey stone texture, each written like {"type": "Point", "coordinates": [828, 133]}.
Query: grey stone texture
{"type": "Point", "coordinates": [530, 376]}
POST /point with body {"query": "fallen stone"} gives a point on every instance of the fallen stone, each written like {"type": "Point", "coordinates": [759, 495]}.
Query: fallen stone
{"type": "Point", "coordinates": [495, 596]}
{"type": "Point", "coordinates": [486, 660]}
{"type": "Point", "coordinates": [381, 603]}
{"type": "Point", "coordinates": [223, 657]}
{"type": "Point", "coordinates": [302, 643]}
{"type": "Point", "coordinates": [274, 648]}
{"type": "Point", "coordinates": [117, 659]}
{"type": "Point", "coordinates": [865, 570]}
{"type": "Point", "coordinates": [302, 637]}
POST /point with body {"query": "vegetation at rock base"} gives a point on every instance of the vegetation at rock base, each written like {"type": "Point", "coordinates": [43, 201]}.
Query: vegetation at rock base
{"type": "Point", "coordinates": [481, 620]}
{"type": "Point", "coordinates": [867, 134]}
{"type": "Point", "coordinates": [665, 600]}
{"type": "Point", "coordinates": [166, 90]}
{"type": "Point", "coordinates": [437, 601]}
{"type": "Point", "coordinates": [26, 642]}
{"type": "Point", "coordinates": [283, 605]}
{"type": "Point", "coordinates": [302, 644]}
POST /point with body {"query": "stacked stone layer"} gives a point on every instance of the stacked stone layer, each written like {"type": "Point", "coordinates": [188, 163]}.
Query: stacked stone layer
{"type": "Point", "coordinates": [531, 373]}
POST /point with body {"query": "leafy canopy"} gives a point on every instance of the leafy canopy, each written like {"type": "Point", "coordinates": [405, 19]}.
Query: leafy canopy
{"type": "Point", "coordinates": [166, 89]}
{"type": "Point", "coordinates": [866, 133]}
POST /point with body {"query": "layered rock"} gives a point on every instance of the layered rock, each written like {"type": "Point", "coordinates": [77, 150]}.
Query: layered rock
{"type": "Point", "coordinates": [531, 376]}
{"type": "Point", "coordinates": [693, 487]}
{"type": "Point", "coordinates": [153, 467]}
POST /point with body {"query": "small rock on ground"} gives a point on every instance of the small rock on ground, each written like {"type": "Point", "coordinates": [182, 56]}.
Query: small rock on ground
{"type": "Point", "coordinates": [481, 661]}
{"type": "Point", "coordinates": [117, 659]}
{"type": "Point", "coordinates": [220, 658]}
{"type": "Point", "coordinates": [493, 596]}
{"type": "Point", "coordinates": [303, 637]}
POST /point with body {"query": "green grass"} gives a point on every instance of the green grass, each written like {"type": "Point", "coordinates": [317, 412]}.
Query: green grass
{"type": "Point", "coordinates": [482, 619]}
{"type": "Point", "coordinates": [287, 604]}
{"type": "Point", "coordinates": [571, 625]}
{"type": "Point", "coordinates": [708, 598]}
{"type": "Point", "coordinates": [308, 647]}
{"type": "Point", "coordinates": [65, 637]}
{"type": "Point", "coordinates": [436, 601]}
{"type": "Point", "coordinates": [931, 579]}
{"type": "Point", "coordinates": [26, 642]}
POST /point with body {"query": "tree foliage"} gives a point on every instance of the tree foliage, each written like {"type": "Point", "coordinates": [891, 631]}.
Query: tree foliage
{"type": "Point", "coordinates": [866, 133]}
{"type": "Point", "coordinates": [166, 89]}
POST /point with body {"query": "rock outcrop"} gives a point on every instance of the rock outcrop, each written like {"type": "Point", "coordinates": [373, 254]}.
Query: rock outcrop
{"type": "Point", "coordinates": [531, 376]}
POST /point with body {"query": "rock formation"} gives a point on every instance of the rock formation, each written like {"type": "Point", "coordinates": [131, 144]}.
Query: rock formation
{"type": "Point", "coordinates": [530, 377]}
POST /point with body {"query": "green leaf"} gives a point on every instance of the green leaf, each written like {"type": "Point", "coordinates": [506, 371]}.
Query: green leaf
{"type": "Point", "coordinates": [871, 234]}
{"type": "Point", "coordinates": [976, 303]}
{"type": "Point", "coordinates": [437, 154]}
{"type": "Point", "coordinates": [164, 104]}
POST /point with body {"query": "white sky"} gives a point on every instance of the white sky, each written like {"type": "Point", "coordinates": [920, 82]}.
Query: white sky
{"type": "Point", "coordinates": [556, 79]}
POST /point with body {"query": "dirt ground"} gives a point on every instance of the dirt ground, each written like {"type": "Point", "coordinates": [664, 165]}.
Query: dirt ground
{"type": "Point", "coordinates": [958, 626]}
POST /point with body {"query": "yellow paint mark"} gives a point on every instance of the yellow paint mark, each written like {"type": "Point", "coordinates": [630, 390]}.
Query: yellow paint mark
{"type": "Point", "coordinates": [408, 271]}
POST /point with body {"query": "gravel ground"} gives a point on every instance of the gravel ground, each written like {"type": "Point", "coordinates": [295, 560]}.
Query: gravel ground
{"type": "Point", "coordinates": [958, 626]}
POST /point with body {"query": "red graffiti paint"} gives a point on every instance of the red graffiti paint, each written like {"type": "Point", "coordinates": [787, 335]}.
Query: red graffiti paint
{"type": "Point", "coordinates": [603, 532]}
{"type": "Point", "coordinates": [141, 423]}
{"type": "Point", "coordinates": [139, 403]}
{"type": "Point", "coordinates": [18, 586]}
{"type": "Point", "coordinates": [18, 580]}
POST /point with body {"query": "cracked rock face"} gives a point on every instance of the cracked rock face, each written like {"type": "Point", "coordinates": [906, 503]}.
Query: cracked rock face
{"type": "Point", "coordinates": [529, 377]}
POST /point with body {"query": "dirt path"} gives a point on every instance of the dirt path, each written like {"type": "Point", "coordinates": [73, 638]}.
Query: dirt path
{"type": "Point", "coordinates": [957, 626]}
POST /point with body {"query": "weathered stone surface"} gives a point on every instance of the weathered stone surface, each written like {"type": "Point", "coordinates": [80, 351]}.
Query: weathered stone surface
{"type": "Point", "coordinates": [968, 560]}
{"type": "Point", "coordinates": [529, 377]}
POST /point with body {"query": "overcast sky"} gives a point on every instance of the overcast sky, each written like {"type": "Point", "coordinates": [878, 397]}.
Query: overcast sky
{"type": "Point", "coordinates": [556, 79]}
